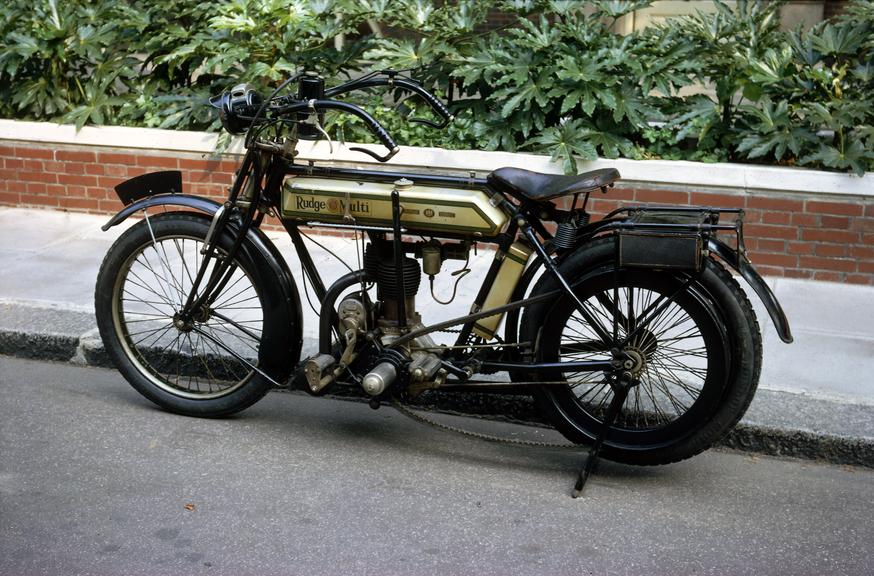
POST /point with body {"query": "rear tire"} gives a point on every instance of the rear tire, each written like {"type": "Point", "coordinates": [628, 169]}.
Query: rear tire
{"type": "Point", "coordinates": [143, 283]}
{"type": "Point", "coordinates": [702, 358]}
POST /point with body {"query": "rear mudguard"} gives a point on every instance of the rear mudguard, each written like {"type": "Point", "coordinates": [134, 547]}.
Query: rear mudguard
{"type": "Point", "coordinates": [255, 238]}
{"type": "Point", "coordinates": [727, 254]}
{"type": "Point", "coordinates": [744, 267]}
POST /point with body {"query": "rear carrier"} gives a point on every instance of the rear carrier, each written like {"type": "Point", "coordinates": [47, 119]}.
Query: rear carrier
{"type": "Point", "coordinates": [670, 237]}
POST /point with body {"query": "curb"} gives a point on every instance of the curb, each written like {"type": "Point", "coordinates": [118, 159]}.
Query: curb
{"type": "Point", "coordinates": [807, 427]}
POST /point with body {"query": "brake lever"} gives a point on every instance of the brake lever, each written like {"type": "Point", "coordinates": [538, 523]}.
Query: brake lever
{"type": "Point", "coordinates": [376, 156]}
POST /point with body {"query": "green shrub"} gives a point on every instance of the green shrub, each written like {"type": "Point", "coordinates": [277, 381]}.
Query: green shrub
{"type": "Point", "coordinates": [556, 80]}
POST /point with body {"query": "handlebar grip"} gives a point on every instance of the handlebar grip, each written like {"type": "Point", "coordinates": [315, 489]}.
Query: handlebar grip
{"type": "Point", "coordinates": [437, 105]}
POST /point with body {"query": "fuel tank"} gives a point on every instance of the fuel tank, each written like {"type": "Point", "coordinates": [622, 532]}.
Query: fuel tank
{"type": "Point", "coordinates": [432, 209]}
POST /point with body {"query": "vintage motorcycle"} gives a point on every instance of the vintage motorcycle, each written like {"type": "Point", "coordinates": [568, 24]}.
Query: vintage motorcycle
{"type": "Point", "coordinates": [629, 331]}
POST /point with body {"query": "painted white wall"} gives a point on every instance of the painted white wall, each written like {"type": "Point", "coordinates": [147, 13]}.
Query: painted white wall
{"type": "Point", "coordinates": [672, 174]}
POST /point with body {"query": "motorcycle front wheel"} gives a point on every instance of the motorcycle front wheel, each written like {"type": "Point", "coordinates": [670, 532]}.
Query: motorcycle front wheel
{"type": "Point", "coordinates": [203, 367]}
{"type": "Point", "coordinates": [697, 360]}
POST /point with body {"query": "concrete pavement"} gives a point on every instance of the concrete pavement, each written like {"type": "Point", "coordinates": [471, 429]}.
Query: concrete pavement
{"type": "Point", "coordinates": [816, 396]}
{"type": "Point", "coordinates": [95, 480]}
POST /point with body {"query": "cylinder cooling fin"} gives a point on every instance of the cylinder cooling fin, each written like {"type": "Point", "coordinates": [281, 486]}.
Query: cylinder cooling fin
{"type": "Point", "coordinates": [380, 267]}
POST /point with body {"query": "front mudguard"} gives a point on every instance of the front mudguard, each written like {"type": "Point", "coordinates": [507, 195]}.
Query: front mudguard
{"type": "Point", "coordinates": [140, 194]}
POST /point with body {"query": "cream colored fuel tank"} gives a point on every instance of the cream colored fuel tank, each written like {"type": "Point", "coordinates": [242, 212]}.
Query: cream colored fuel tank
{"type": "Point", "coordinates": [513, 264]}
{"type": "Point", "coordinates": [423, 208]}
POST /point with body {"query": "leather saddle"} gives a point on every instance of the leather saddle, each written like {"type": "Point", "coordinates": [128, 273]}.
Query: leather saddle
{"type": "Point", "coordinates": [538, 186]}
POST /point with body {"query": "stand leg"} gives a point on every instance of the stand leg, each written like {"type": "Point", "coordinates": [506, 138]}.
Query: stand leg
{"type": "Point", "coordinates": [620, 393]}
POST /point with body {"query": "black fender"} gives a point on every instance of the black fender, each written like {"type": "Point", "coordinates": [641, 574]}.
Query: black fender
{"type": "Point", "coordinates": [744, 267]}
{"type": "Point", "coordinates": [727, 254]}
{"type": "Point", "coordinates": [255, 239]}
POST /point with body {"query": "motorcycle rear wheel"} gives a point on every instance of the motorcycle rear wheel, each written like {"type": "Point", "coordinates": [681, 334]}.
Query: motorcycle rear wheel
{"type": "Point", "coordinates": [189, 369]}
{"type": "Point", "coordinates": [702, 357]}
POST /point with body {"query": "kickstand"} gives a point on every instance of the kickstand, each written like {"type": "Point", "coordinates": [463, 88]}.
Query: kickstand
{"type": "Point", "coordinates": [620, 388]}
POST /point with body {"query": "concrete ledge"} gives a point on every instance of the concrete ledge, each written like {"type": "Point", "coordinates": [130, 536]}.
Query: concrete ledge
{"type": "Point", "coordinates": [777, 423]}
{"type": "Point", "coordinates": [668, 173]}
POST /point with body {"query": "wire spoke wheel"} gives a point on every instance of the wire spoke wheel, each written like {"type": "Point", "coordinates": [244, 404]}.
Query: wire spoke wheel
{"type": "Point", "coordinates": [190, 359]}
{"type": "Point", "coordinates": [223, 356]}
{"type": "Point", "coordinates": [692, 343]}
{"type": "Point", "coordinates": [671, 357]}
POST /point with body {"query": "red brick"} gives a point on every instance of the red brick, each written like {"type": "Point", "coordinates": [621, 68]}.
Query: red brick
{"type": "Point", "coordinates": [838, 236]}
{"type": "Point", "coordinates": [13, 163]}
{"type": "Point", "coordinates": [157, 161]}
{"type": "Point", "coordinates": [9, 198]}
{"type": "Point", "coordinates": [7, 151]}
{"type": "Point", "coordinates": [16, 186]}
{"type": "Point", "coordinates": [661, 196]}
{"type": "Point", "coordinates": [721, 200]}
{"type": "Point", "coordinates": [34, 165]}
{"type": "Point", "coordinates": [834, 208]}
{"type": "Point", "coordinates": [818, 263]}
{"type": "Point", "coordinates": [753, 216]}
{"type": "Point", "coordinates": [38, 199]}
{"type": "Point", "coordinates": [196, 164]}
{"type": "Point", "coordinates": [112, 158]}
{"type": "Point", "coordinates": [768, 245]}
{"type": "Point", "coordinates": [770, 231]}
{"type": "Point", "coordinates": [95, 169]}
{"type": "Point", "coordinates": [828, 276]}
{"type": "Point", "coordinates": [115, 170]}
{"type": "Point", "coordinates": [37, 177]}
{"type": "Point", "coordinates": [801, 219]}
{"type": "Point", "coordinates": [75, 156]}
{"type": "Point", "coordinates": [800, 247]}
{"type": "Point", "coordinates": [76, 191]}
{"type": "Point", "coordinates": [96, 192]}
{"type": "Point", "coordinates": [869, 210]}
{"type": "Point", "coordinates": [831, 250]}
{"type": "Point", "coordinates": [782, 260]}
{"type": "Point", "coordinates": [221, 178]}
{"type": "Point", "coordinates": [770, 270]}
{"type": "Point", "coordinates": [81, 180]}
{"type": "Point", "coordinates": [612, 193]}
{"type": "Point", "coordinates": [796, 273]}
{"type": "Point", "coordinates": [53, 166]}
{"type": "Point", "coordinates": [862, 252]}
{"type": "Point", "coordinates": [110, 205]}
{"type": "Point", "coordinates": [79, 203]}
{"type": "Point", "coordinates": [868, 239]}
{"type": "Point", "coordinates": [35, 153]}
{"type": "Point", "coordinates": [859, 279]}
{"type": "Point", "coordinates": [109, 181]}
{"type": "Point", "coordinates": [839, 222]}
{"type": "Point", "coordinates": [36, 188]}
{"type": "Point", "coordinates": [56, 189]}
{"type": "Point", "coordinates": [866, 267]}
{"type": "Point", "coordinates": [779, 204]}
{"type": "Point", "coordinates": [863, 224]}
{"type": "Point", "coordinates": [74, 167]}
{"type": "Point", "coordinates": [776, 217]}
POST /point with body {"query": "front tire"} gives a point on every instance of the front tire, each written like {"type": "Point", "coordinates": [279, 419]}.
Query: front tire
{"type": "Point", "coordinates": [199, 368]}
{"type": "Point", "coordinates": [700, 357]}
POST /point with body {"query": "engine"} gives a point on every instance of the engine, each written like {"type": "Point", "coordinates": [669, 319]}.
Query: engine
{"type": "Point", "coordinates": [369, 328]}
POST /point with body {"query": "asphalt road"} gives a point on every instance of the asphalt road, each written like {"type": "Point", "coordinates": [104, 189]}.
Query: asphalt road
{"type": "Point", "coordinates": [94, 480]}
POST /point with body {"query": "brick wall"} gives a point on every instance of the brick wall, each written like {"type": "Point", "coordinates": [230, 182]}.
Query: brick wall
{"type": "Point", "coordinates": [793, 235]}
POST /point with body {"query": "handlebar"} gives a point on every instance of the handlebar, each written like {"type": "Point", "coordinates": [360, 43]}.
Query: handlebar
{"type": "Point", "coordinates": [372, 123]}
{"type": "Point", "coordinates": [404, 84]}
{"type": "Point", "coordinates": [238, 108]}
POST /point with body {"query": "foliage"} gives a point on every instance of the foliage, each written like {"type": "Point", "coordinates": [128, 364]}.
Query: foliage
{"type": "Point", "coordinates": [727, 85]}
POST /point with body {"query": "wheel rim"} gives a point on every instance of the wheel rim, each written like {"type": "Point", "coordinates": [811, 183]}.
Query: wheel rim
{"type": "Point", "coordinates": [680, 360]}
{"type": "Point", "coordinates": [185, 360]}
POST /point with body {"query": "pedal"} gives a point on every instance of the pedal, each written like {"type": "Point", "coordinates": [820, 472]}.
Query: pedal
{"type": "Point", "coordinates": [319, 372]}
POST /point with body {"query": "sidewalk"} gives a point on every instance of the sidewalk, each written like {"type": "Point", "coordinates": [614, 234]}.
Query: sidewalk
{"type": "Point", "coordinates": [816, 395]}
